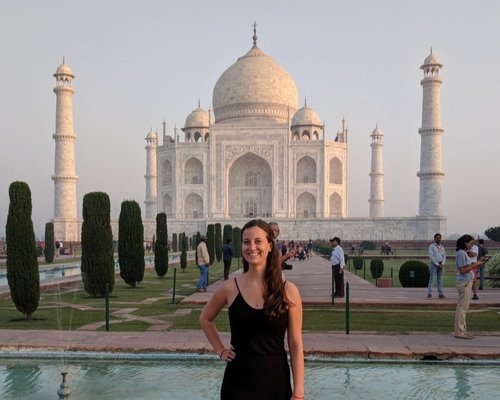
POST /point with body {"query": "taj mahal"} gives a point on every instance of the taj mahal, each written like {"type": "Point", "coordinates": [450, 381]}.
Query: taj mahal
{"type": "Point", "coordinates": [260, 154]}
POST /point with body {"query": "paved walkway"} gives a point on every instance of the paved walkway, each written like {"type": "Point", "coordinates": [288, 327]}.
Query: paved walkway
{"type": "Point", "coordinates": [313, 277]}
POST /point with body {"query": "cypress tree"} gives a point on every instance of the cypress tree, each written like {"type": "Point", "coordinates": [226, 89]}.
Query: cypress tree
{"type": "Point", "coordinates": [211, 242]}
{"type": "Point", "coordinates": [161, 251]}
{"type": "Point", "coordinates": [174, 242]}
{"type": "Point", "coordinates": [197, 241]}
{"type": "Point", "coordinates": [183, 242]}
{"type": "Point", "coordinates": [237, 243]}
{"type": "Point", "coordinates": [98, 264]}
{"type": "Point", "coordinates": [218, 242]}
{"type": "Point", "coordinates": [49, 242]}
{"type": "Point", "coordinates": [131, 243]}
{"type": "Point", "coordinates": [22, 264]}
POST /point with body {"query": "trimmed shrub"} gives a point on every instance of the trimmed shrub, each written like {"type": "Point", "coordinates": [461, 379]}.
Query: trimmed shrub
{"type": "Point", "coordinates": [368, 245]}
{"type": "Point", "coordinates": [237, 243]}
{"type": "Point", "coordinates": [131, 243]}
{"type": "Point", "coordinates": [22, 265]}
{"type": "Point", "coordinates": [161, 251]}
{"type": "Point", "coordinates": [227, 233]}
{"type": "Point", "coordinates": [493, 269]}
{"type": "Point", "coordinates": [357, 262]}
{"type": "Point", "coordinates": [211, 242]}
{"type": "Point", "coordinates": [414, 274]}
{"type": "Point", "coordinates": [197, 240]}
{"type": "Point", "coordinates": [218, 241]}
{"type": "Point", "coordinates": [98, 264]}
{"type": "Point", "coordinates": [49, 243]}
{"type": "Point", "coordinates": [376, 268]}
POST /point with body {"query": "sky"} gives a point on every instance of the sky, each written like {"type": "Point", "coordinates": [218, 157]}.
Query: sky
{"type": "Point", "coordinates": [138, 63]}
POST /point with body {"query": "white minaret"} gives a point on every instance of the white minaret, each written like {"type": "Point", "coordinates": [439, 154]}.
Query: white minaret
{"type": "Point", "coordinates": [431, 164]}
{"type": "Point", "coordinates": [65, 216]}
{"type": "Point", "coordinates": [377, 175]}
{"type": "Point", "coordinates": [151, 203]}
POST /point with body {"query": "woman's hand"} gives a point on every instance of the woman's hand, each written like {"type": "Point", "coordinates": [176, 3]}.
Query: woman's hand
{"type": "Point", "coordinates": [227, 355]}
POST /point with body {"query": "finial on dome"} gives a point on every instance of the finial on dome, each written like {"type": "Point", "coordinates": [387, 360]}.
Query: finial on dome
{"type": "Point", "coordinates": [199, 103]}
{"type": "Point", "coordinates": [431, 49]}
{"type": "Point", "coordinates": [305, 101]}
{"type": "Point", "coordinates": [255, 34]}
{"type": "Point", "coordinates": [64, 61]}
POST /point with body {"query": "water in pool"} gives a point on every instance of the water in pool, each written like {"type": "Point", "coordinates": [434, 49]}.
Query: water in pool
{"type": "Point", "coordinates": [180, 379]}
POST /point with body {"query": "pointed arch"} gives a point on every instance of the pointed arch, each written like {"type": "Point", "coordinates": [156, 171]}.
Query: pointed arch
{"type": "Point", "coordinates": [306, 170]}
{"type": "Point", "coordinates": [335, 203]}
{"type": "Point", "coordinates": [197, 136]}
{"type": "Point", "coordinates": [249, 187]}
{"type": "Point", "coordinates": [306, 206]}
{"type": "Point", "coordinates": [193, 206]}
{"type": "Point", "coordinates": [335, 171]}
{"type": "Point", "coordinates": [306, 135]}
{"type": "Point", "coordinates": [166, 172]}
{"type": "Point", "coordinates": [193, 172]}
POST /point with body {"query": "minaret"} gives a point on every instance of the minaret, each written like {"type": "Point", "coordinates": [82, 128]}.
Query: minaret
{"type": "Point", "coordinates": [65, 216]}
{"type": "Point", "coordinates": [377, 175]}
{"type": "Point", "coordinates": [151, 202]}
{"type": "Point", "coordinates": [431, 169]}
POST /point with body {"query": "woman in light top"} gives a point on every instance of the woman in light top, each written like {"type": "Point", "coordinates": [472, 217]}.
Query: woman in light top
{"type": "Point", "coordinates": [465, 278]}
{"type": "Point", "coordinates": [262, 308]}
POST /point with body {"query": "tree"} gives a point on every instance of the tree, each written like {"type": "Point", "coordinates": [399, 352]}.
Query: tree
{"type": "Point", "coordinates": [227, 233]}
{"type": "Point", "coordinates": [211, 242]}
{"type": "Point", "coordinates": [22, 265]}
{"type": "Point", "coordinates": [197, 241]}
{"type": "Point", "coordinates": [131, 243]}
{"type": "Point", "coordinates": [49, 242]}
{"type": "Point", "coordinates": [183, 241]}
{"type": "Point", "coordinates": [218, 242]}
{"type": "Point", "coordinates": [174, 242]}
{"type": "Point", "coordinates": [98, 264]}
{"type": "Point", "coordinates": [237, 243]}
{"type": "Point", "coordinates": [161, 251]}
{"type": "Point", "coordinates": [493, 233]}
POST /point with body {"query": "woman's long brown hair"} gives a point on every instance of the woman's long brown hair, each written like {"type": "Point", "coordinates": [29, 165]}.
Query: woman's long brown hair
{"type": "Point", "coordinates": [275, 299]}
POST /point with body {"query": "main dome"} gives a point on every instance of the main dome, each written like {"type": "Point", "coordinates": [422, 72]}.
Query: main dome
{"type": "Point", "coordinates": [255, 86]}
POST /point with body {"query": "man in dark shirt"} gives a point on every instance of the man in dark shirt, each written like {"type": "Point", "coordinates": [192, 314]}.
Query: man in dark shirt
{"type": "Point", "coordinates": [227, 257]}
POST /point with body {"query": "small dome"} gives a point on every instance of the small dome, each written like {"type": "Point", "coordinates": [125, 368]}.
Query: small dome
{"type": "Point", "coordinates": [151, 135]}
{"type": "Point", "coordinates": [377, 132]}
{"type": "Point", "coordinates": [306, 116]}
{"type": "Point", "coordinates": [432, 60]}
{"type": "Point", "coordinates": [63, 69]}
{"type": "Point", "coordinates": [197, 119]}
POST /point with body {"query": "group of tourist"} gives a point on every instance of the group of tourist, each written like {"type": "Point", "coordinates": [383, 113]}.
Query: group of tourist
{"type": "Point", "coordinates": [469, 260]}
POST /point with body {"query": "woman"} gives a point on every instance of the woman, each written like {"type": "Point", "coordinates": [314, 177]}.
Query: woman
{"type": "Point", "coordinates": [464, 283]}
{"type": "Point", "coordinates": [262, 307]}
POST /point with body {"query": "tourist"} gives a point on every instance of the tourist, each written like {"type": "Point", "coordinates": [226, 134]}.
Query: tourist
{"type": "Point", "coordinates": [437, 257]}
{"type": "Point", "coordinates": [262, 308]}
{"type": "Point", "coordinates": [464, 284]}
{"type": "Point", "coordinates": [286, 255]}
{"type": "Point", "coordinates": [203, 264]}
{"type": "Point", "coordinates": [338, 263]}
{"type": "Point", "coordinates": [227, 257]}
{"type": "Point", "coordinates": [482, 252]}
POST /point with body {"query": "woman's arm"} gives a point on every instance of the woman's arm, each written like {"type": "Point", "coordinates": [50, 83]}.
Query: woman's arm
{"type": "Point", "coordinates": [295, 344]}
{"type": "Point", "coordinates": [207, 317]}
{"type": "Point", "coordinates": [467, 268]}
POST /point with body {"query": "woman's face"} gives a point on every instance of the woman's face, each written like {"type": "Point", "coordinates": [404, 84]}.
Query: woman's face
{"type": "Point", "coordinates": [469, 244]}
{"type": "Point", "coordinates": [255, 246]}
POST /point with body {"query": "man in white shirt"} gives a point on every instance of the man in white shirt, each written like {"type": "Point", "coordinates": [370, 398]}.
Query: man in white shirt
{"type": "Point", "coordinates": [338, 263]}
{"type": "Point", "coordinates": [203, 264]}
{"type": "Point", "coordinates": [437, 257]}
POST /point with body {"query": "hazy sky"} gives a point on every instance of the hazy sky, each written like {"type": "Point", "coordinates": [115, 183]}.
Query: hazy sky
{"type": "Point", "coordinates": [139, 62]}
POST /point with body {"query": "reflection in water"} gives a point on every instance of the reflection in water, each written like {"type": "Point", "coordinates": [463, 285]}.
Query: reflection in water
{"type": "Point", "coordinates": [201, 379]}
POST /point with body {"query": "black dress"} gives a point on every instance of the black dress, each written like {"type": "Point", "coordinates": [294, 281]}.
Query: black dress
{"type": "Point", "coordinates": [260, 370]}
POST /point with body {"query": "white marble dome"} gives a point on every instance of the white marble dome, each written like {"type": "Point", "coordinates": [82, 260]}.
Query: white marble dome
{"type": "Point", "coordinates": [63, 69]}
{"type": "Point", "coordinates": [306, 116]}
{"type": "Point", "coordinates": [431, 59]}
{"type": "Point", "coordinates": [254, 86]}
{"type": "Point", "coordinates": [197, 119]}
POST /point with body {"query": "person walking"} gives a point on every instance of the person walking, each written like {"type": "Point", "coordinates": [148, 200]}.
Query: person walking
{"type": "Point", "coordinates": [227, 257]}
{"type": "Point", "coordinates": [437, 257]}
{"type": "Point", "coordinates": [263, 309]}
{"type": "Point", "coordinates": [338, 263]}
{"type": "Point", "coordinates": [464, 284]}
{"type": "Point", "coordinates": [203, 264]}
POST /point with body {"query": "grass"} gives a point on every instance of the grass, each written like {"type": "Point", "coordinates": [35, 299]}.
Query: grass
{"type": "Point", "coordinates": [70, 309]}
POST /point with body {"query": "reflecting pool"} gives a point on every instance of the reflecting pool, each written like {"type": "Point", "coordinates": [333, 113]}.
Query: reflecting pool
{"type": "Point", "coordinates": [200, 378]}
